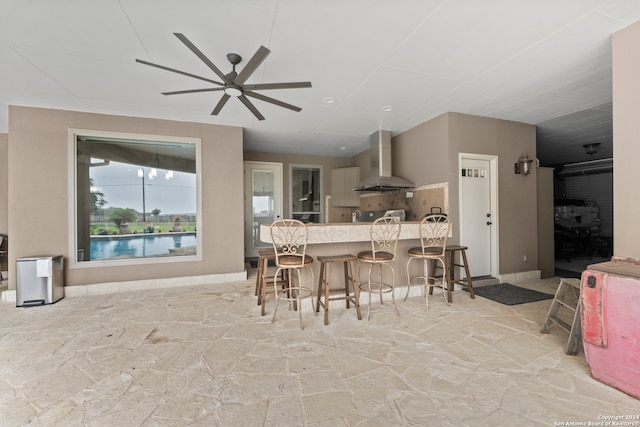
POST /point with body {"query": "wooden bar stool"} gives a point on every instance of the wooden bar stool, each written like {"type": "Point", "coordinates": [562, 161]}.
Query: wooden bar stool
{"type": "Point", "coordinates": [451, 265]}
{"type": "Point", "coordinates": [263, 280]}
{"type": "Point", "coordinates": [324, 289]}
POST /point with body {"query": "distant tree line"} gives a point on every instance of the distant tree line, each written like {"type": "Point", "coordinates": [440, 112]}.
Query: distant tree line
{"type": "Point", "coordinates": [119, 215]}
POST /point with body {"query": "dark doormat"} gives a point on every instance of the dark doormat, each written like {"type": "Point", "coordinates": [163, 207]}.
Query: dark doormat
{"type": "Point", "coordinates": [508, 294]}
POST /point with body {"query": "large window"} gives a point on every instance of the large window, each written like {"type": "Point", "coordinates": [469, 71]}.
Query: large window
{"type": "Point", "coordinates": [136, 197]}
{"type": "Point", "coordinates": [306, 193]}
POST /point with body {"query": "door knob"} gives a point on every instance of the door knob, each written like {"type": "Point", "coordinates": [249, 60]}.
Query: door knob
{"type": "Point", "coordinates": [489, 223]}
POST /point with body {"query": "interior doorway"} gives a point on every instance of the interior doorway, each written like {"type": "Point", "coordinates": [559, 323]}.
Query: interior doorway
{"type": "Point", "coordinates": [478, 190]}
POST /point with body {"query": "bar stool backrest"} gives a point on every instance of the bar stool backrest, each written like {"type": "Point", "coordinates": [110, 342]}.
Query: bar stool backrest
{"type": "Point", "coordinates": [434, 231]}
{"type": "Point", "coordinates": [289, 237]}
{"type": "Point", "coordinates": [385, 233]}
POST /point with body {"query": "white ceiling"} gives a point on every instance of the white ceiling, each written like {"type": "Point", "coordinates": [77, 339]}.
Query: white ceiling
{"type": "Point", "coordinates": [545, 62]}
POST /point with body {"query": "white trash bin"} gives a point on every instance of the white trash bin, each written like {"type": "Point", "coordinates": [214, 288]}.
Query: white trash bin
{"type": "Point", "coordinates": [40, 280]}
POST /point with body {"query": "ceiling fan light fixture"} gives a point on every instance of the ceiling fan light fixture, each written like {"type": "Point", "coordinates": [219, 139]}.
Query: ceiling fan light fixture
{"type": "Point", "coordinates": [591, 148]}
{"type": "Point", "coordinates": [233, 84]}
{"type": "Point", "coordinates": [232, 90]}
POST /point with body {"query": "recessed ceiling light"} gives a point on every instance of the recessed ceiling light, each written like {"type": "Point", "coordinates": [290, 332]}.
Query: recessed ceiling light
{"type": "Point", "coordinates": [342, 148]}
{"type": "Point", "coordinates": [387, 108]}
{"type": "Point", "coordinates": [328, 100]}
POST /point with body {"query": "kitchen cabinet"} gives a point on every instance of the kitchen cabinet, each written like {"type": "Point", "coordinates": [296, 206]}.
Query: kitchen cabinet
{"type": "Point", "coordinates": [342, 182]}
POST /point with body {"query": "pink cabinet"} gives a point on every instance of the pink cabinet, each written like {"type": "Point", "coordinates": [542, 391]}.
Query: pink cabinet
{"type": "Point", "coordinates": [610, 297]}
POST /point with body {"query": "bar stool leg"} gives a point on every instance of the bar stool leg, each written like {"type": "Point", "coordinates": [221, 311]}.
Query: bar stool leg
{"type": "Point", "coordinates": [466, 272]}
{"type": "Point", "coordinates": [345, 266]}
{"type": "Point", "coordinates": [326, 296]}
{"type": "Point", "coordinates": [355, 285]}
{"type": "Point", "coordinates": [434, 269]}
{"type": "Point", "coordinates": [260, 279]}
{"type": "Point", "coordinates": [425, 272]}
{"type": "Point", "coordinates": [323, 289]}
{"type": "Point", "coordinates": [320, 285]}
{"type": "Point", "coordinates": [262, 267]}
{"type": "Point", "coordinates": [450, 274]}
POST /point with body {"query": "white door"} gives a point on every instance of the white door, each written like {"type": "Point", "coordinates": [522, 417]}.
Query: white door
{"type": "Point", "coordinates": [478, 213]}
{"type": "Point", "coordinates": [262, 201]}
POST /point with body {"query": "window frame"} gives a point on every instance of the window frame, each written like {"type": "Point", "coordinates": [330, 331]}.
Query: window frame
{"type": "Point", "coordinates": [73, 134]}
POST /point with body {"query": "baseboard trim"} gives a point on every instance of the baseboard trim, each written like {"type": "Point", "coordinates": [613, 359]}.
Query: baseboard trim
{"type": "Point", "coordinates": [137, 285]}
{"type": "Point", "coordinates": [521, 276]}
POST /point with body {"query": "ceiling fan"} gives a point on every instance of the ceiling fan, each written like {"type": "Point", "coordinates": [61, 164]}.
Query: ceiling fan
{"type": "Point", "coordinates": [233, 84]}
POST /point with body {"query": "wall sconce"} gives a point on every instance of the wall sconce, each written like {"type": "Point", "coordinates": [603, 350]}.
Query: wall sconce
{"type": "Point", "coordinates": [591, 148]}
{"type": "Point", "coordinates": [523, 166]}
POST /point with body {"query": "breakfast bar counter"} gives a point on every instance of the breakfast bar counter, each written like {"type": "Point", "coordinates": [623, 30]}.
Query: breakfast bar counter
{"type": "Point", "coordinates": [346, 232]}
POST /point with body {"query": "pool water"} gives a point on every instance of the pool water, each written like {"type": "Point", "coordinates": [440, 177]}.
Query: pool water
{"type": "Point", "coordinates": [139, 246]}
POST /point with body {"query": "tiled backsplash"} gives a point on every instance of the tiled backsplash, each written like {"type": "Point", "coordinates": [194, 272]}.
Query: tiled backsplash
{"type": "Point", "coordinates": [424, 198]}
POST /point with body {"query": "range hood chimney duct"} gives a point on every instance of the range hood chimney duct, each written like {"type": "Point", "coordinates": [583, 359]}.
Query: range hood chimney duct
{"type": "Point", "coordinates": [381, 179]}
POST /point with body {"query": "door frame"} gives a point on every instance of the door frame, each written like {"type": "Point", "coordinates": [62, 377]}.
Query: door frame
{"type": "Point", "coordinates": [493, 189]}
{"type": "Point", "coordinates": [278, 194]}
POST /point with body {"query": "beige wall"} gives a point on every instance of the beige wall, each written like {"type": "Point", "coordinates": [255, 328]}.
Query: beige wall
{"type": "Point", "coordinates": [626, 148]}
{"type": "Point", "coordinates": [38, 177]}
{"type": "Point", "coordinates": [363, 161]}
{"type": "Point", "coordinates": [422, 153]}
{"type": "Point", "coordinates": [428, 154]}
{"type": "Point", "coordinates": [4, 184]}
{"type": "Point", "coordinates": [327, 164]}
{"type": "Point", "coordinates": [517, 213]}
{"type": "Point", "coordinates": [413, 150]}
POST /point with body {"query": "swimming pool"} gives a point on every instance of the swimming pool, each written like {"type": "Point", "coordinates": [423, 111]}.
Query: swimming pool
{"type": "Point", "coordinates": [139, 246]}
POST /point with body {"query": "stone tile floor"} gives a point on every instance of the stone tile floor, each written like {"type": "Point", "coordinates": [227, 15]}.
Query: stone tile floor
{"type": "Point", "coordinates": [203, 356]}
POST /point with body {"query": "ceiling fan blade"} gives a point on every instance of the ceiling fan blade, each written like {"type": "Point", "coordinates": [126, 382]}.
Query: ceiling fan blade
{"type": "Point", "coordinates": [201, 55]}
{"type": "Point", "coordinates": [179, 92]}
{"type": "Point", "coordinates": [265, 86]}
{"type": "Point", "coordinates": [220, 104]}
{"type": "Point", "coordinates": [253, 64]}
{"type": "Point", "coordinates": [173, 70]}
{"type": "Point", "coordinates": [271, 100]}
{"type": "Point", "coordinates": [251, 107]}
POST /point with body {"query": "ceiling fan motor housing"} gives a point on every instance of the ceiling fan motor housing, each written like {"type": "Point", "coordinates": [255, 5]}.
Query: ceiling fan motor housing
{"type": "Point", "coordinates": [234, 58]}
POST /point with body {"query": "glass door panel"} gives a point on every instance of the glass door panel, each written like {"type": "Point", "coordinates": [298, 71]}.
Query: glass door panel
{"type": "Point", "coordinates": [306, 193]}
{"type": "Point", "coordinates": [263, 201]}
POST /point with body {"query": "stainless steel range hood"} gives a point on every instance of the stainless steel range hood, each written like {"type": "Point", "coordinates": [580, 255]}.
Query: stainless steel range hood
{"type": "Point", "coordinates": [381, 179]}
